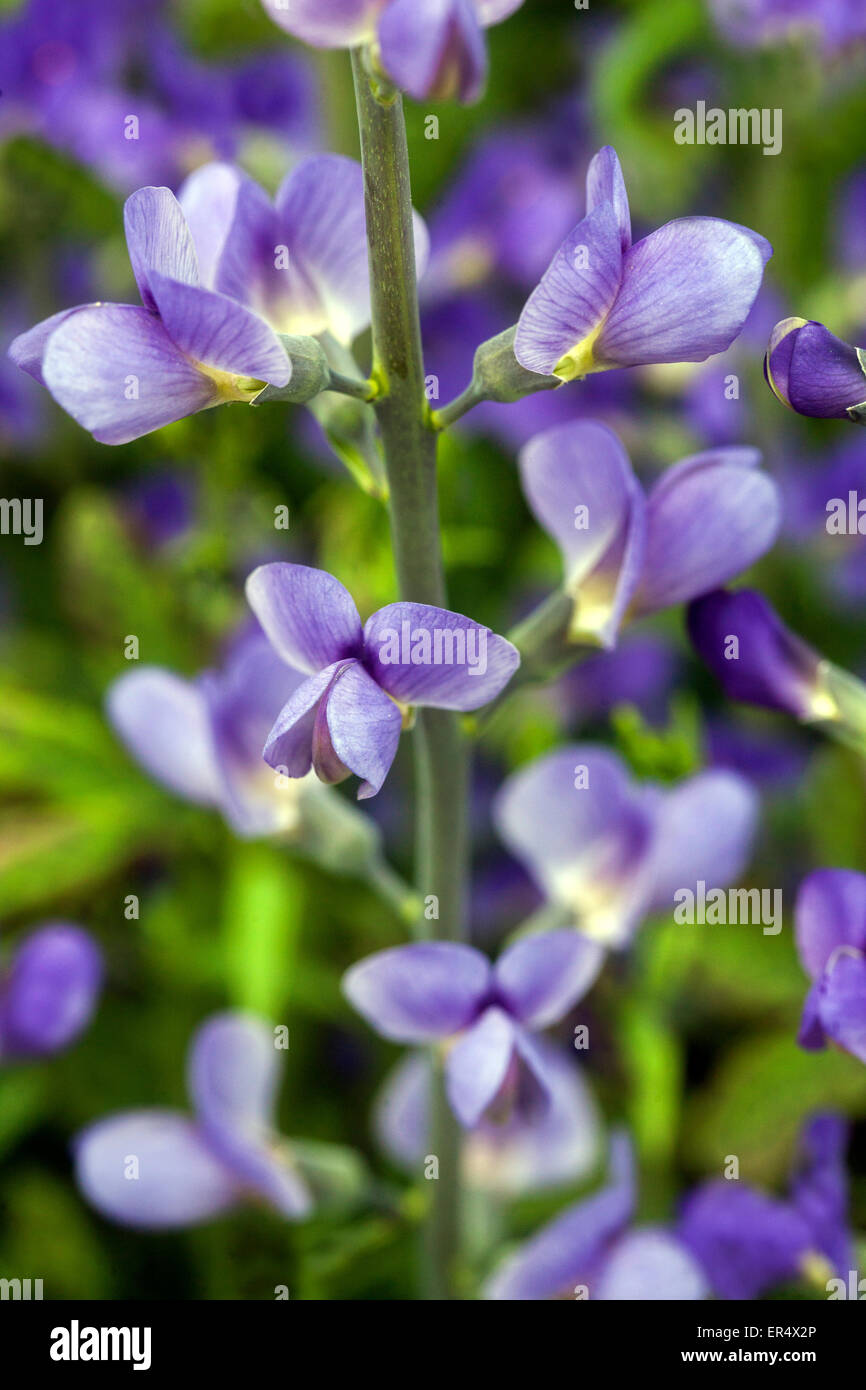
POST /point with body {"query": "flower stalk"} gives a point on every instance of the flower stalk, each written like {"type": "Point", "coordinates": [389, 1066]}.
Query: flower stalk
{"type": "Point", "coordinates": [409, 444]}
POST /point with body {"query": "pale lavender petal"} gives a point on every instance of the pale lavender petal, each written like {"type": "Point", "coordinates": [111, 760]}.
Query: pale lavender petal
{"type": "Point", "coordinates": [686, 292]}
{"type": "Point", "coordinates": [28, 349]}
{"type": "Point", "coordinates": [289, 745]}
{"type": "Point", "coordinates": [820, 1187]}
{"type": "Point", "coordinates": [605, 184]}
{"type": "Point", "coordinates": [573, 297]}
{"type": "Point", "coordinates": [50, 991]}
{"type": "Point", "coordinates": [209, 202]}
{"type": "Point", "coordinates": [434, 48]}
{"type": "Point", "coordinates": [540, 978]}
{"type": "Point", "coordinates": [566, 1253]}
{"type": "Point", "coordinates": [704, 830]}
{"type": "Point", "coordinates": [418, 993]}
{"type": "Point", "coordinates": [163, 720]}
{"type": "Point", "coordinates": [830, 912]}
{"type": "Point", "coordinates": [362, 726]}
{"type": "Point", "coordinates": [219, 332]}
{"type": "Point", "coordinates": [118, 373]}
{"type": "Point", "coordinates": [579, 482]}
{"type": "Point", "coordinates": [494, 11]}
{"type": "Point", "coordinates": [429, 656]}
{"type": "Point", "coordinates": [703, 528]}
{"type": "Point", "coordinates": [307, 615]}
{"type": "Point", "coordinates": [477, 1065]}
{"type": "Point", "coordinates": [158, 239]}
{"type": "Point", "coordinates": [810, 1034]}
{"type": "Point", "coordinates": [842, 1001]}
{"type": "Point", "coordinates": [152, 1169]}
{"type": "Point", "coordinates": [327, 23]}
{"type": "Point", "coordinates": [648, 1265]}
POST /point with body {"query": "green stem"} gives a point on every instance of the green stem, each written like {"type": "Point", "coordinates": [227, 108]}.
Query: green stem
{"type": "Point", "coordinates": [352, 386]}
{"type": "Point", "coordinates": [409, 443]}
{"type": "Point", "coordinates": [460, 406]}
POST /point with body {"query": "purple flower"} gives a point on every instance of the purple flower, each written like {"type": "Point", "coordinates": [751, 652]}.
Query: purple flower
{"type": "Point", "coordinates": [748, 1242]}
{"type": "Point", "coordinates": [203, 738]}
{"type": "Point", "coordinates": [831, 941]}
{"type": "Point", "coordinates": [755, 657]}
{"type": "Point", "coordinates": [610, 851]}
{"type": "Point", "coordinates": [681, 294]}
{"type": "Point", "coordinates": [48, 991]}
{"type": "Point", "coordinates": [430, 48]}
{"type": "Point", "coordinates": [814, 372]}
{"type": "Point", "coordinates": [483, 1015]}
{"type": "Point", "coordinates": [123, 370]}
{"type": "Point", "coordinates": [156, 1169]}
{"type": "Point", "coordinates": [641, 672]}
{"type": "Point", "coordinates": [346, 718]}
{"type": "Point", "coordinates": [590, 1251]}
{"type": "Point", "coordinates": [704, 521]}
{"type": "Point", "coordinates": [507, 1155]}
{"type": "Point", "coordinates": [754, 23]}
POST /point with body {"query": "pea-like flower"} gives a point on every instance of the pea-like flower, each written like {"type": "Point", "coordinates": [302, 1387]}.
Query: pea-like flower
{"type": "Point", "coordinates": [347, 717]}
{"type": "Point", "coordinates": [482, 1015]}
{"type": "Point", "coordinates": [430, 48]}
{"type": "Point", "coordinates": [592, 1251]}
{"type": "Point", "coordinates": [157, 1169]}
{"type": "Point", "coordinates": [748, 1242]}
{"type": "Point", "coordinates": [609, 850]}
{"type": "Point", "coordinates": [703, 521]}
{"type": "Point", "coordinates": [831, 941]}
{"type": "Point", "coordinates": [681, 294]}
{"type": "Point", "coordinates": [48, 991]}
{"type": "Point", "coordinates": [816, 373]}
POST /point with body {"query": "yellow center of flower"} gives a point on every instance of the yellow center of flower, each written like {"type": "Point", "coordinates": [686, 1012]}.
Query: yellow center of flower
{"type": "Point", "coordinates": [231, 387]}
{"type": "Point", "coordinates": [580, 361]}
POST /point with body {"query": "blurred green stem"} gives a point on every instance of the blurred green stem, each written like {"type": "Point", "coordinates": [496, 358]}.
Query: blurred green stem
{"type": "Point", "coordinates": [409, 442]}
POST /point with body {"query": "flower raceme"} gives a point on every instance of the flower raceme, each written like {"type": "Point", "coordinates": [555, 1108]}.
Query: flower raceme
{"type": "Point", "coordinates": [831, 941]}
{"type": "Point", "coordinates": [430, 48]}
{"type": "Point", "coordinates": [221, 272]}
{"type": "Point", "coordinates": [608, 850]}
{"type": "Point", "coordinates": [189, 1170]}
{"type": "Point", "coordinates": [347, 716]}
{"type": "Point", "coordinates": [704, 520]}
{"type": "Point", "coordinates": [483, 1015]}
{"type": "Point", "coordinates": [816, 373]}
{"type": "Point", "coordinates": [681, 294]}
{"type": "Point", "coordinates": [592, 1251]}
{"type": "Point", "coordinates": [48, 991]}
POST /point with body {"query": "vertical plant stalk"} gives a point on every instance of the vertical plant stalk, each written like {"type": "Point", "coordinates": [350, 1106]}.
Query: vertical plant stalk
{"type": "Point", "coordinates": [409, 442]}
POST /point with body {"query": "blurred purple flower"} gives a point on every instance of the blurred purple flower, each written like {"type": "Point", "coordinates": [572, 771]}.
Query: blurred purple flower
{"type": "Point", "coordinates": [592, 1251]}
{"type": "Point", "coordinates": [203, 738]}
{"type": "Point", "coordinates": [124, 370]}
{"type": "Point", "coordinates": [755, 657]}
{"type": "Point", "coordinates": [704, 521]}
{"type": "Point", "coordinates": [430, 48]}
{"type": "Point", "coordinates": [641, 671]}
{"type": "Point", "coordinates": [814, 372]}
{"type": "Point", "coordinates": [482, 1015]}
{"type": "Point", "coordinates": [611, 851]}
{"type": "Point", "coordinates": [505, 1155]}
{"type": "Point", "coordinates": [747, 1242]}
{"type": "Point", "coordinates": [161, 506]}
{"type": "Point", "coordinates": [157, 1169]}
{"type": "Point", "coordinates": [348, 715]}
{"type": "Point", "coordinates": [755, 23]}
{"type": "Point", "coordinates": [48, 991]}
{"type": "Point", "coordinates": [681, 294]}
{"type": "Point", "coordinates": [831, 941]}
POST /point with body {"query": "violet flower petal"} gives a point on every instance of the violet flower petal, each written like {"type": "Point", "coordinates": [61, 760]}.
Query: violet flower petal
{"type": "Point", "coordinates": [159, 240]}
{"type": "Point", "coordinates": [842, 1002]}
{"type": "Point", "coordinates": [50, 991]}
{"type": "Point", "coordinates": [116, 371]}
{"type": "Point", "coordinates": [704, 528]}
{"type": "Point", "coordinates": [477, 1065]}
{"type": "Point", "coordinates": [685, 293]}
{"type": "Point", "coordinates": [178, 1181]}
{"type": "Point", "coordinates": [605, 184]}
{"type": "Point", "coordinates": [434, 49]}
{"type": "Point", "coordinates": [419, 993]}
{"type": "Point", "coordinates": [28, 349]}
{"type": "Point", "coordinates": [704, 830]}
{"type": "Point", "coordinates": [819, 1189]}
{"type": "Point", "coordinates": [745, 1241]}
{"type": "Point", "coordinates": [289, 745]}
{"type": "Point", "coordinates": [219, 332]}
{"type": "Point", "coordinates": [327, 23]}
{"type": "Point", "coordinates": [163, 720]}
{"type": "Point", "coordinates": [812, 370]}
{"type": "Point", "coordinates": [429, 656]}
{"type": "Point", "coordinates": [540, 978]}
{"type": "Point", "coordinates": [830, 912]}
{"type": "Point", "coordinates": [362, 726]}
{"type": "Point", "coordinates": [307, 615]}
{"type": "Point", "coordinates": [650, 1264]}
